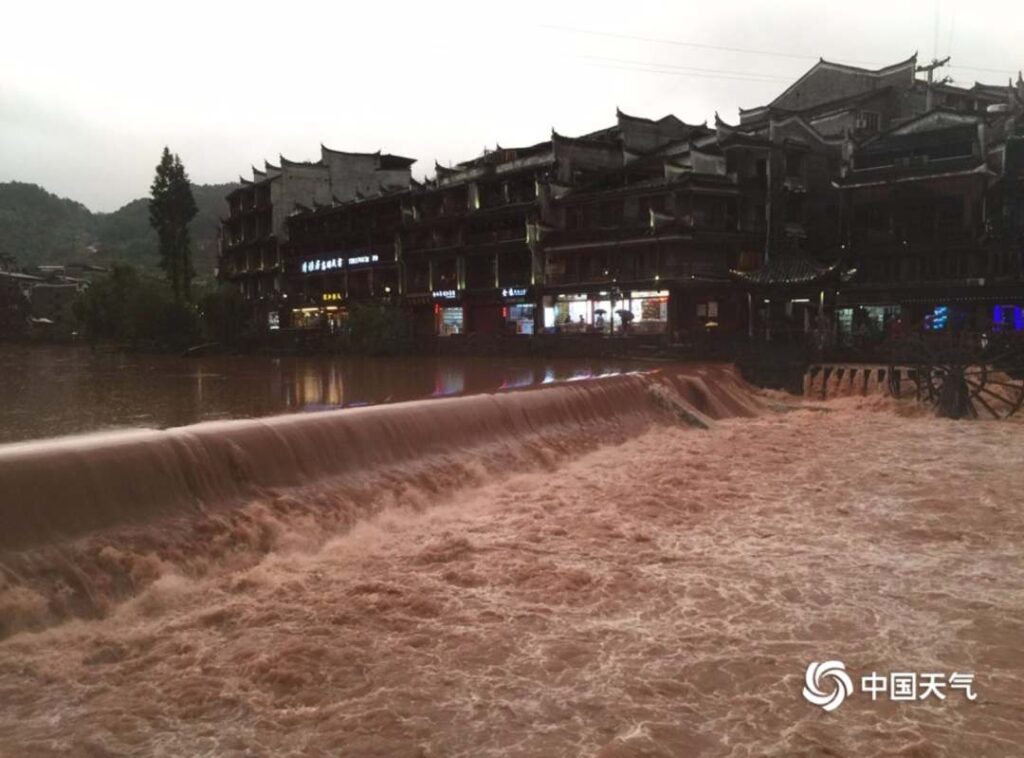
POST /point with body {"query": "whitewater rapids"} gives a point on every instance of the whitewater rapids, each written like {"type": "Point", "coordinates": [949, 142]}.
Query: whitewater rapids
{"type": "Point", "coordinates": [612, 585]}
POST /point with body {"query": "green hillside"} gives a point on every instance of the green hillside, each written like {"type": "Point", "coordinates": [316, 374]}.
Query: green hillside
{"type": "Point", "coordinates": [37, 227]}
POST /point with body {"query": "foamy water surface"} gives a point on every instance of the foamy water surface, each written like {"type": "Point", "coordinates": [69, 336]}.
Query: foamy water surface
{"type": "Point", "coordinates": [650, 595]}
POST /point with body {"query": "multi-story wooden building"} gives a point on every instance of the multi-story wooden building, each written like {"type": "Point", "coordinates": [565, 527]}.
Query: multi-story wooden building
{"type": "Point", "coordinates": [854, 188]}
{"type": "Point", "coordinates": [809, 134]}
{"type": "Point", "coordinates": [466, 247]}
{"type": "Point", "coordinates": [932, 220]}
{"type": "Point", "coordinates": [648, 246]}
{"type": "Point", "coordinates": [254, 231]}
{"type": "Point", "coordinates": [341, 254]}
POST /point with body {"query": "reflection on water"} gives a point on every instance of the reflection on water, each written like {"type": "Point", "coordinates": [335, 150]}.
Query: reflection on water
{"type": "Point", "coordinates": [54, 391]}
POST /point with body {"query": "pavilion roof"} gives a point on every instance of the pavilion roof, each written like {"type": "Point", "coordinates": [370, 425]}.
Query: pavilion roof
{"type": "Point", "coordinates": [786, 271]}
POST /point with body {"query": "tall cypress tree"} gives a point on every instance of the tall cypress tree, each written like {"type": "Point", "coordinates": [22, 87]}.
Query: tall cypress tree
{"type": "Point", "coordinates": [171, 208]}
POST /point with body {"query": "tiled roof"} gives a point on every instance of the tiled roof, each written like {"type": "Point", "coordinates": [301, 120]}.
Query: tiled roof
{"type": "Point", "coordinates": [886, 174]}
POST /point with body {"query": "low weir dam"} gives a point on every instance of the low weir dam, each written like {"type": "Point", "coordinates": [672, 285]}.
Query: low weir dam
{"type": "Point", "coordinates": [87, 520]}
{"type": "Point", "coordinates": [632, 566]}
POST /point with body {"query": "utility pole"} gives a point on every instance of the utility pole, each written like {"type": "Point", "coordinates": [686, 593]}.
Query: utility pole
{"type": "Point", "coordinates": [930, 68]}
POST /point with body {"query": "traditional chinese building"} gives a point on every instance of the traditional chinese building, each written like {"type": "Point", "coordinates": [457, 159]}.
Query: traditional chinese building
{"type": "Point", "coordinates": [808, 135]}
{"type": "Point", "coordinates": [853, 189]}
{"type": "Point", "coordinates": [646, 247]}
{"type": "Point", "coordinates": [932, 220]}
{"type": "Point", "coordinates": [341, 254]}
{"type": "Point", "coordinates": [254, 231]}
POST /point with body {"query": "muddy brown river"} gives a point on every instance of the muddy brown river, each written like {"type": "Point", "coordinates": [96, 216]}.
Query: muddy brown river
{"type": "Point", "coordinates": [54, 391]}
{"type": "Point", "coordinates": [619, 583]}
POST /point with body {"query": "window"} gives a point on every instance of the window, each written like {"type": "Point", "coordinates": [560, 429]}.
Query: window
{"type": "Point", "coordinates": [870, 121]}
{"type": "Point", "coordinates": [449, 321]}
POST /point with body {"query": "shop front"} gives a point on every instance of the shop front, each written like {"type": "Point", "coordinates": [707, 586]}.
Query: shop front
{"type": "Point", "coordinates": [874, 312]}
{"type": "Point", "coordinates": [608, 311]}
{"type": "Point", "coordinates": [865, 324]}
{"type": "Point", "coordinates": [320, 288]}
{"type": "Point", "coordinates": [449, 314]}
{"type": "Point", "coordinates": [507, 311]}
{"type": "Point", "coordinates": [519, 318]}
{"type": "Point", "coordinates": [329, 315]}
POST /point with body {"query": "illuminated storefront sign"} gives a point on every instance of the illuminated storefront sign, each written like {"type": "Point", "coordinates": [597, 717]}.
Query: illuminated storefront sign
{"type": "Point", "coordinates": [332, 297]}
{"type": "Point", "coordinates": [446, 294]}
{"type": "Point", "coordinates": [1008, 317]}
{"type": "Point", "coordinates": [509, 292]}
{"type": "Point", "coordinates": [324, 264]}
{"type": "Point", "coordinates": [331, 264]}
{"type": "Point", "coordinates": [938, 318]}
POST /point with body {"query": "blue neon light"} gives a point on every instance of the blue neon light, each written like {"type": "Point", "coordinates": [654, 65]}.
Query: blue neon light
{"type": "Point", "coordinates": [938, 318]}
{"type": "Point", "coordinates": [1005, 315]}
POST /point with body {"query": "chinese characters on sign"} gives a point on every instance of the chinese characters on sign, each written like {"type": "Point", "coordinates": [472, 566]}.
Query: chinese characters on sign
{"type": "Point", "coordinates": [329, 264]}
{"type": "Point", "coordinates": [827, 684]}
{"type": "Point", "coordinates": [911, 686]}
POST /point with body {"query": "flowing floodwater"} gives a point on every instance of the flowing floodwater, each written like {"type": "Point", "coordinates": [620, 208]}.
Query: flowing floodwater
{"type": "Point", "coordinates": [52, 391]}
{"type": "Point", "coordinates": [638, 565]}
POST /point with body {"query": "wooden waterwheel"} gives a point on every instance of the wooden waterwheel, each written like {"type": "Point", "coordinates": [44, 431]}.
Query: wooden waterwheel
{"type": "Point", "coordinates": [963, 374]}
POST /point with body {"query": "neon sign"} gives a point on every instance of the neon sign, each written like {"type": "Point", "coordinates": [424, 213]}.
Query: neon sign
{"type": "Point", "coordinates": [1008, 317]}
{"type": "Point", "coordinates": [331, 297]}
{"type": "Point", "coordinates": [938, 318]}
{"type": "Point", "coordinates": [330, 264]}
{"type": "Point", "coordinates": [324, 264]}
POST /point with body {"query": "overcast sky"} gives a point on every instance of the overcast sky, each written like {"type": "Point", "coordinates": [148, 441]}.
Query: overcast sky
{"type": "Point", "coordinates": [91, 92]}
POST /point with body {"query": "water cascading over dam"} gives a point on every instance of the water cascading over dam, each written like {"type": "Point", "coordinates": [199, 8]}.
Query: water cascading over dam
{"type": "Point", "coordinates": [86, 521]}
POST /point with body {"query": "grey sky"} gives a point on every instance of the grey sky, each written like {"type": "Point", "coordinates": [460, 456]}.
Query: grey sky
{"type": "Point", "coordinates": [90, 92]}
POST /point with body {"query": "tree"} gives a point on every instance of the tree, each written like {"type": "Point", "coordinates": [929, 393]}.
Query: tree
{"type": "Point", "coordinates": [376, 329]}
{"type": "Point", "coordinates": [225, 314]}
{"type": "Point", "coordinates": [171, 208]}
{"type": "Point", "coordinates": [126, 306]}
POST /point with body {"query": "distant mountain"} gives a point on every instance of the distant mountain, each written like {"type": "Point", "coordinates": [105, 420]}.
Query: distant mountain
{"type": "Point", "coordinates": [37, 227]}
